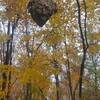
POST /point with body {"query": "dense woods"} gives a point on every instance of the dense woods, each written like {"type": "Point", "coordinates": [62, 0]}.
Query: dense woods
{"type": "Point", "coordinates": [58, 61]}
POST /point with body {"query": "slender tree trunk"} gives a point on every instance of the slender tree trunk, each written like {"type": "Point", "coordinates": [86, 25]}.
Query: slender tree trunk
{"type": "Point", "coordinates": [57, 87]}
{"type": "Point", "coordinates": [84, 44]}
{"type": "Point", "coordinates": [69, 81]}
{"type": "Point", "coordinates": [43, 94]}
{"type": "Point", "coordinates": [95, 76]}
{"type": "Point", "coordinates": [56, 66]}
{"type": "Point", "coordinates": [28, 92]}
{"type": "Point", "coordinates": [10, 55]}
{"type": "Point", "coordinates": [72, 95]}
{"type": "Point", "coordinates": [6, 62]}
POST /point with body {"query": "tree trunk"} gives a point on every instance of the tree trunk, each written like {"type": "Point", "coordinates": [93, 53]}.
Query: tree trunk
{"type": "Point", "coordinates": [57, 87]}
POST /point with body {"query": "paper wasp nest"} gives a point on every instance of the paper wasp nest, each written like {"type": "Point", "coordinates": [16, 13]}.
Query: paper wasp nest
{"type": "Point", "coordinates": [41, 10]}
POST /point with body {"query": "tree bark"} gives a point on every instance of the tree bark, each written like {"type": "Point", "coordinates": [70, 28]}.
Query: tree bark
{"type": "Point", "coordinates": [84, 44]}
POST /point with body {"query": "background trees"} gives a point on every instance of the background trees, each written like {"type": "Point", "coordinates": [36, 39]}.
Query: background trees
{"type": "Point", "coordinates": [59, 61]}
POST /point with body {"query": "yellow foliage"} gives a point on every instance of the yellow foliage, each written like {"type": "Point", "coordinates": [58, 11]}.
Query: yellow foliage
{"type": "Point", "coordinates": [53, 38]}
{"type": "Point", "coordinates": [2, 94]}
{"type": "Point", "coordinates": [74, 79]}
{"type": "Point", "coordinates": [38, 67]}
{"type": "Point", "coordinates": [56, 19]}
{"type": "Point", "coordinates": [95, 36]}
{"type": "Point", "coordinates": [15, 7]}
{"type": "Point", "coordinates": [36, 70]}
{"type": "Point", "coordinates": [26, 38]}
{"type": "Point", "coordinates": [90, 4]}
{"type": "Point", "coordinates": [4, 37]}
{"type": "Point", "coordinates": [93, 49]}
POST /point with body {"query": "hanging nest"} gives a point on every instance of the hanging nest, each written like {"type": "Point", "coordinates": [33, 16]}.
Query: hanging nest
{"type": "Point", "coordinates": [41, 10]}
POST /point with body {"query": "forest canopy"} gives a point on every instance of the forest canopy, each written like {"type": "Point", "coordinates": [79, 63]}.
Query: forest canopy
{"type": "Point", "coordinates": [59, 60]}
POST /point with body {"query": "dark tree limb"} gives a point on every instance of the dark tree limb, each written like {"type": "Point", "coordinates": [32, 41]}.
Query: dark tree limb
{"type": "Point", "coordinates": [84, 43]}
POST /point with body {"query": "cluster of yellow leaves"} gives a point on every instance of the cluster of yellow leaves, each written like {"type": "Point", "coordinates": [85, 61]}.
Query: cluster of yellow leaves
{"type": "Point", "coordinates": [9, 68]}
{"type": "Point", "coordinates": [53, 38]}
{"type": "Point", "coordinates": [74, 78]}
{"type": "Point", "coordinates": [26, 38]}
{"type": "Point", "coordinates": [14, 8]}
{"type": "Point", "coordinates": [2, 94]}
{"type": "Point", "coordinates": [4, 37]}
{"type": "Point", "coordinates": [36, 70]}
{"type": "Point", "coordinates": [95, 36]}
{"type": "Point", "coordinates": [90, 4]}
{"type": "Point", "coordinates": [94, 47]}
{"type": "Point", "coordinates": [56, 19]}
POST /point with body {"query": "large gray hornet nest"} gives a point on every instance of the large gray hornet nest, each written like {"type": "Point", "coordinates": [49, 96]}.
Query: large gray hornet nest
{"type": "Point", "coordinates": [41, 10]}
